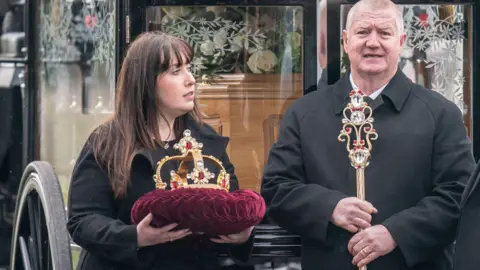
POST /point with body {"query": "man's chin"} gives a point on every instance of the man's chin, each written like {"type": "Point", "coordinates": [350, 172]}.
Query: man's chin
{"type": "Point", "coordinates": [373, 70]}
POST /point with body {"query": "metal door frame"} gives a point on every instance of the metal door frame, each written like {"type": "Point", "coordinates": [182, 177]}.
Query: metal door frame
{"type": "Point", "coordinates": [29, 85]}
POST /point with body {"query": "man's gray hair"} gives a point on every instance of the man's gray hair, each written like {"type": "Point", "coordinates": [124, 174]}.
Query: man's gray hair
{"type": "Point", "coordinates": [375, 5]}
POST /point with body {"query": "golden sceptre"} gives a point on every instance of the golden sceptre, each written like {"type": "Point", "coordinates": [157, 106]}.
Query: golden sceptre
{"type": "Point", "coordinates": [358, 122]}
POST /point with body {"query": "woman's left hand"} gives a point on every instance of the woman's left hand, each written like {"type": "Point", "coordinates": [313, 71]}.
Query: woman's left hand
{"type": "Point", "coordinates": [237, 238]}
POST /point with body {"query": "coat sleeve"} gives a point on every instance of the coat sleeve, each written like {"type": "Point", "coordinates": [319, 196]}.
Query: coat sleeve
{"type": "Point", "coordinates": [91, 209]}
{"type": "Point", "coordinates": [429, 226]}
{"type": "Point", "coordinates": [292, 203]}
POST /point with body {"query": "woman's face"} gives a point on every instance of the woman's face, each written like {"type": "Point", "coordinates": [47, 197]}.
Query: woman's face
{"type": "Point", "coordinates": [177, 90]}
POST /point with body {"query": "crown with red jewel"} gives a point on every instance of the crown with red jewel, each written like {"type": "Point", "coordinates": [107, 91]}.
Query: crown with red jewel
{"type": "Point", "coordinates": [199, 177]}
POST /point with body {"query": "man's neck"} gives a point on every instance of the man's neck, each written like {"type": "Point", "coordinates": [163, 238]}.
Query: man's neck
{"type": "Point", "coordinates": [370, 83]}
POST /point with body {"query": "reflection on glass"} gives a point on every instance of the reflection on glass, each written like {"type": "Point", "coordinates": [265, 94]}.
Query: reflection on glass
{"type": "Point", "coordinates": [437, 53]}
{"type": "Point", "coordinates": [77, 79]}
{"type": "Point", "coordinates": [322, 40]}
{"type": "Point", "coordinates": [249, 64]}
{"type": "Point", "coordinates": [12, 30]}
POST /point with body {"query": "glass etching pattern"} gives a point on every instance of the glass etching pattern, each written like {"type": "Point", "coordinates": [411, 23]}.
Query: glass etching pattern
{"type": "Point", "coordinates": [249, 41]}
{"type": "Point", "coordinates": [77, 77]}
{"type": "Point", "coordinates": [436, 35]}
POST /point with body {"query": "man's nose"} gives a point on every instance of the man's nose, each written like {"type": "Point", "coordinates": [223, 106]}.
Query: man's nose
{"type": "Point", "coordinates": [372, 40]}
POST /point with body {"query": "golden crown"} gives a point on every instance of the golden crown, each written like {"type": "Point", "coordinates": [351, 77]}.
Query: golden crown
{"type": "Point", "coordinates": [191, 150]}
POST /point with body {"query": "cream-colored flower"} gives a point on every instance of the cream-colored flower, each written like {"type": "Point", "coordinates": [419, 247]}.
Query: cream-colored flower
{"type": "Point", "coordinates": [220, 38]}
{"type": "Point", "coordinates": [262, 61]}
{"type": "Point", "coordinates": [207, 47]}
{"type": "Point", "coordinates": [165, 19]}
{"type": "Point", "coordinates": [177, 11]}
{"type": "Point", "coordinates": [215, 9]}
{"type": "Point", "coordinates": [239, 42]}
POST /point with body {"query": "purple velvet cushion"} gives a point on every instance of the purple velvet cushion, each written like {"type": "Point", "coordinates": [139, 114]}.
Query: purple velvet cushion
{"type": "Point", "coordinates": [202, 210]}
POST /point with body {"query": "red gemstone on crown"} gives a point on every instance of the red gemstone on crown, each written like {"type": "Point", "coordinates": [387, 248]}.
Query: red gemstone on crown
{"type": "Point", "coordinates": [174, 184]}
{"type": "Point", "coordinates": [223, 183]}
{"type": "Point", "coordinates": [201, 175]}
{"type": "Point", "coordinates": [367, 128]}
{"type": "Point", "coordinates": [188, 145]}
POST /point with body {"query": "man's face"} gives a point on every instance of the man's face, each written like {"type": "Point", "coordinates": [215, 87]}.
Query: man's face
{"type": "Point", "coordinates": [373, 42]}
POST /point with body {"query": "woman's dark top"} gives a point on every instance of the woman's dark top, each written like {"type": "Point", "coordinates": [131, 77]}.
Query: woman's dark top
{"type": "Point", "coordinates": [100, 223]}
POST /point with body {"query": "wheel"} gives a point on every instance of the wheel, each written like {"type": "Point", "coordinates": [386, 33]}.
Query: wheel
{"type": "Point", "coordinates": [40, 239]}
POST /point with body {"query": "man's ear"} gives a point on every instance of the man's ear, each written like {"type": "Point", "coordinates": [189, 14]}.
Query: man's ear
{"type": "Point", "coordinates": [403, 38]}
{"type": "Point", "coordinates": [345, 40]}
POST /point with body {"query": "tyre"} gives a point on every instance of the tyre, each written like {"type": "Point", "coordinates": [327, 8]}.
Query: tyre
{"type": "Point", "coordinates": [40, 240]}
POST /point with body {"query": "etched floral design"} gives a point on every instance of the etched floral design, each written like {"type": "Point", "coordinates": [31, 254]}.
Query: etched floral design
{"type": "Point", "coordinates": [246, 45]}
{"type": "Point", "coordinates": [214, 40]}
{"type": "Point", "coordinates": [74, 30]}
{"type": "Point", "coordinates": [80, 33]}
{"type": "Point", "coordinates": [438, 33]}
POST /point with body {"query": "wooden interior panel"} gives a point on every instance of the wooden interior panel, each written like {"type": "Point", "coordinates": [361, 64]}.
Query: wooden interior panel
{"type": "Point", "coordinates": [248, 108]}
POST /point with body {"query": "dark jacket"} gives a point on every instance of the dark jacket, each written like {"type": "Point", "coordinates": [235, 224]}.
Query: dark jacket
{"type": "Point", "coordinates": [101, 225]}
{"type": "Point", "coordinates": [467, 256]}
{"type": "Point", "coordinates": [418, 170]}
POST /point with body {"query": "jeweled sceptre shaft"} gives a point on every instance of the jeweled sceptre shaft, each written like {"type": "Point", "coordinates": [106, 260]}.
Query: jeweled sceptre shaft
{"type": "Point", "coordinates": [358, 132]}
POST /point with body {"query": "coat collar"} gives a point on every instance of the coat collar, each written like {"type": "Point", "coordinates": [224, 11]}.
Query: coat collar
{"type": "Point", "coordinates": [397, 91]}
{"type": "Point", "coordinates": [214, 144]}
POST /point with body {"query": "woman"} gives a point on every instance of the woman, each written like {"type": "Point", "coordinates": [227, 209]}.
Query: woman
{"type": "Point", "coordinates": [155, 103]}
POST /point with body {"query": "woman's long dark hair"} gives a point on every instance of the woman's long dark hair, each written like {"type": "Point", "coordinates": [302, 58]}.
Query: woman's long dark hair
{"type": "Point", "coordinates": [134, 124]}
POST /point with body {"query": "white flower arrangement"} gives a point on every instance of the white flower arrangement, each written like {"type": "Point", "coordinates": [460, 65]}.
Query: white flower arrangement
{"type": "Point", "coordinates": [231, 46]}
{"type": "Point", "coordinates": [217, 43]}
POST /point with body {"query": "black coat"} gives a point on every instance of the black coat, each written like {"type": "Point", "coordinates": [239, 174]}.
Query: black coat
{"type": "Point", "coordinates": [467, 255]}
{"type": "Point", "coordinates": [420, 164]}
{"type": "Point", "coordinates": [100, 224]}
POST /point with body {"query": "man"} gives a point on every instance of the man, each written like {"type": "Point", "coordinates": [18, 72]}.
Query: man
{"type": "Point", "coordinates": [417, 173]}
{"type": "Point", "coordinates": [468, 233]}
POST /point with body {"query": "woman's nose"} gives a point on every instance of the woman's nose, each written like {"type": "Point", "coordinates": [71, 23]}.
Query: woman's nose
{"type": "Point", "coordinates": [190, 78]}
